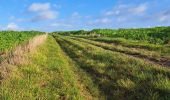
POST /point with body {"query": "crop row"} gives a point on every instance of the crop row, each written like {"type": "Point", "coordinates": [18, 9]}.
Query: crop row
{"type": "Point", "coordinates": [153, 56]}
{"type": "Point", "coordinates": [117, 75]}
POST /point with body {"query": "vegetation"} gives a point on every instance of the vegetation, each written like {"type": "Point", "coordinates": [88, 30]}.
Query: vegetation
{"type": "Point", "coordinates": [49, 75]}
{"type": "Point", "coordinates": [157, 35]}
{"type": "Point", "coordinates": [125, 50]}
{"type": "Point", "coordinates": [9, 39]}
{"type": "Point", "coordinates": [132, 48]}
{"type": "Point", "coordinates": [102, 64]}
{"type": "Point", "coordinates": [117, 75]}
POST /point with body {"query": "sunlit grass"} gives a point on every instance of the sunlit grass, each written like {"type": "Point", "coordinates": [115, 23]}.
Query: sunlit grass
{"type": "Point", "coordinates": [117, 75]}
{"type": "Point", "coordinates": [47, 76]}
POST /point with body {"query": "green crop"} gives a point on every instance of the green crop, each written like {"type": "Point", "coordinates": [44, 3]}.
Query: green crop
{"type": "Point", "coordinates": [157, 35]}
{"type": "Point", "coordinates": [9, 39]}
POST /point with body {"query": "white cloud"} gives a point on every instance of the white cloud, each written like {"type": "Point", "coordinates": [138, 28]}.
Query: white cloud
{"type": "Point", "coordinates": [11, 17]}
{"type": "Point", "coordinates": [139, 9]}
{"type": "Point", "coordinates": [161, 17]}
{"type": "Point", "coordinates": [48, 15]}
{"type": "Point", "coordinates": [36, 7]}
{"type": "Point", "coordinates": [116, 10]}
{"type": "Point", "coordinates": [43, 12]}
{"type": "Point", "coordinates": [75, 15]}
{"type": "Point", "coordinates": [21, 20]}
{"type": "Point", "coordinates": [164, 16]}
{"type": "Point", "coordinates": [123, 9]}
{"type": "Point", "coordinates": [101, 21]}
{"type": "Point", "coordinates": [126, 13]}
{"type": "Point", "coordinates": [88, 16]}
{"type": "Point", "coordinates": [57, 6]}
{"type": "Point", "coordinates": [62, 23]}
{"type": "Point", "coordinates": [121, 19]}
{"type": "Point", "coordinates": [12, 26]}
{"type": "Point", "coordinates": [59, 24]}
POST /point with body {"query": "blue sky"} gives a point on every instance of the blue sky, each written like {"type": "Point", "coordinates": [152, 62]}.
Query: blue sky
{"type": "Point", "coordinates": [55, 15]}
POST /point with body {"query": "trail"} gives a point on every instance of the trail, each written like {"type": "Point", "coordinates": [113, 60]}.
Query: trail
{"type": "Point", "coordinates": [162, 61]}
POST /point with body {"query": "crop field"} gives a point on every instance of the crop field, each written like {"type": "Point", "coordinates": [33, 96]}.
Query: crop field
{"type": "Point", "coordinates": [9, 39]}
{"type": "Point", "coordinates": [118, 70]}
{"type": "Point", "coordinates": [101, 64]}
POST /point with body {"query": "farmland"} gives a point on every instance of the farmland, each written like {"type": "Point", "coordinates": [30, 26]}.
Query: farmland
{"type": "Point", "coordinates": [121, 68]}
{"type": "Point", "coordinates": [101, 64]}
{"type": "Point", "coordinates": [10, 39]}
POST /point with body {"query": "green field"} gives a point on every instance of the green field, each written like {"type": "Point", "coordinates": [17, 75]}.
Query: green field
{"type": "Point", "coordinates": [9, 39]}
{"type": "Point", "coordinates": [102, 64]}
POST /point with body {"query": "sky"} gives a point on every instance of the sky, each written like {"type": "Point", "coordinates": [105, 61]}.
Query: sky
{"type": "Point", "coordinates": [63, 15]}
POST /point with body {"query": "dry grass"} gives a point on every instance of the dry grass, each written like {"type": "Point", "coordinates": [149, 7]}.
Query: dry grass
{"type": "Point", "coordinates": [17, 56]}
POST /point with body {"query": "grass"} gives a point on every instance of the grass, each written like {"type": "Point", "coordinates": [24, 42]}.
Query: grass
{"type": "Point", "coordinates": [130, 43]}
{"type": "Point", "coordinates": [152, 56]}
{"type": "Point", "coordinates": [86, 78]}
{"type": "Point", "coordinates": [73, 68]}
{"type": "Point", "coordinates": [119, 76]}
{"type": "Point", "coordinates": [48, 76]}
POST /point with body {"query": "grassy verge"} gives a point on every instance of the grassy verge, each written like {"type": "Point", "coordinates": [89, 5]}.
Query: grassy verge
{"type": "Point", "coordinates": [48, 76]}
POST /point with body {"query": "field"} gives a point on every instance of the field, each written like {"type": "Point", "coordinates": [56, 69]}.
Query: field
{"type": "Point", "coordinates": [9, 39]}
{"type": "Point", "coordinates": [102, 64]}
